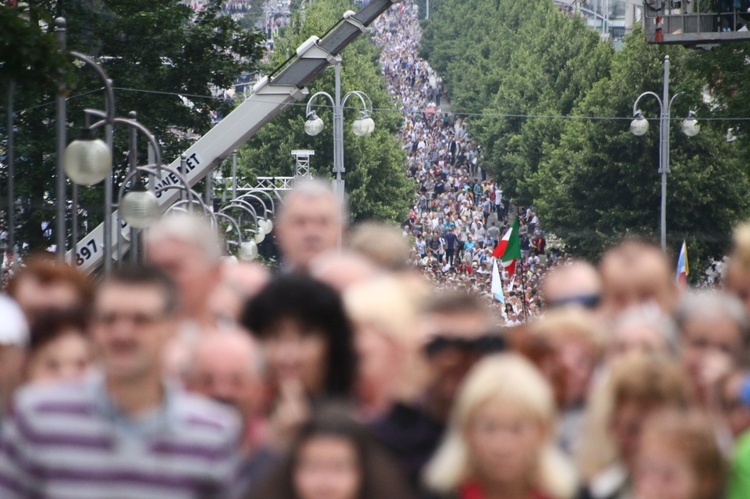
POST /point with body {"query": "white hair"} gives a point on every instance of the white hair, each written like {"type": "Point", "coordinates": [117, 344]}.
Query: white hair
{"type": "Point", "coordinates": [315, 188]}
{"type": "Point", "coordinates": [711, 304]}
{"type": "Point", "coordinates": [651, 316]}
{"type": "Point", "coordinates": [190, 229]}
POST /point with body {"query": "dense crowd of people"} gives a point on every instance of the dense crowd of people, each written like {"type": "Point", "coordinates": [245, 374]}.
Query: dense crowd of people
{"type": "Point", "coordinates": [348, 375]}
{"type": "Point", "coordinates": [459, 214]}
{"type": "Point", "coordinates": [368, 367]}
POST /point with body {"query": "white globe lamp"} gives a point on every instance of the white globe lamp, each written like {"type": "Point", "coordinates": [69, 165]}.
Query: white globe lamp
{"type": "Point", "coordinates": [87, 160]}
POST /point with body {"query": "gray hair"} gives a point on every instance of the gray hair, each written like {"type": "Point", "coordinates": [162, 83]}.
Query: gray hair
{"type": "Point", "coordinates": [651, 316]}
{"type": "Point", "coordinates": [712, 304]}
{"type": "Point", "coordinates": [316, 188]}
{"type": "Point", "coordinates": [190, 229]}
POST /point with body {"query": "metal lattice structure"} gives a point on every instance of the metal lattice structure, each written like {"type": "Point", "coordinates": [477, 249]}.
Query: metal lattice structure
{"type": "Point", "coordinates": [302, 162]}
{"type": "Point", "coordinates": [272, 184]}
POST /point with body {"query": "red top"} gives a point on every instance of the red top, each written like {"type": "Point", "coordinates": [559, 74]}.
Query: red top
{"type": "Point", "coordinates": [472, 490]}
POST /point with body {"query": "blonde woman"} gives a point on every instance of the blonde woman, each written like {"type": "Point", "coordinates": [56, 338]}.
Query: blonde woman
{"type": "Point", "coordinates": [383, 312]}
{"type": "Point", "coordinates": [499, 443]}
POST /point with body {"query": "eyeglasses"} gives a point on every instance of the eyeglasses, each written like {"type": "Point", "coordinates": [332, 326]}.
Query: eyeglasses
{"type": "Point", "coordinates": [590, 301]}
{"type": "Point", "coordinates": [485, 344]}
{"type": "Point", "coordinates": [137, 319]}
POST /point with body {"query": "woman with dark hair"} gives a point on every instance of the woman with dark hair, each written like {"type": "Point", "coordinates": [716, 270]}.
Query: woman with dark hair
{"type": "Point", "coordinates": [309, 348]}
{"type": "Point", "coordinates": [333, 457]}
{"type": "Point", "coordinates": [304, 326]}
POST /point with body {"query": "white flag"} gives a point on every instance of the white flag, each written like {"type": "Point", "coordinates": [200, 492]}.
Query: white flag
{"type": "Point", "coordinates": [497, 285]}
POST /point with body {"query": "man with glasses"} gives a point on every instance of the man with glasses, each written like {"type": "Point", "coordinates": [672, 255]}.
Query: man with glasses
{"type": "Point", "coordinates": [457, 329]}
{"type": "Point", "coordinates": [575, 285]}
{"type": "Point", "coordinates": [123, 431]}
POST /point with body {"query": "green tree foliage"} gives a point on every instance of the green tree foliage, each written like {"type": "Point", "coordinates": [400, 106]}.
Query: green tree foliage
{"type": "Point", "coordinates": [602, 182]}
{"type": "Point", "coordinates": [726, 70]}
{"type": "Point", "coordinates": [152, 50]}
{"type": "Point", "coordinates": [375, 181]}
{"type": "Point", "coordinates": [506, 59]}
{"type": "Point", "coordinates": [527, 71]}
{"type": "Point", "coordinates": [28, 55]}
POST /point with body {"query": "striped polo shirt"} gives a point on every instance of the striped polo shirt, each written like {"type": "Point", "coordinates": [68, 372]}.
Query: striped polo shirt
{"type": "Point", "coordinates": [69, 441]}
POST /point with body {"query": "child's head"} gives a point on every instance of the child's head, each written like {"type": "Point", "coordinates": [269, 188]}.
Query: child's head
{"type": "Point", "coordinates": [59, 347]}
{"type": "Point", "coordinates": [678, 458]}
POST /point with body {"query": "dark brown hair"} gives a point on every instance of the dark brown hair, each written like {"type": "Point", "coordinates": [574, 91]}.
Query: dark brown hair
{"type": "Point", "coordinates": [380, 478]}
{"type": "Point", "coordinates": [49, 326]}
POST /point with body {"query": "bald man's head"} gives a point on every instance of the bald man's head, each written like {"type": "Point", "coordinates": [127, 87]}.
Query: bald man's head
{"type": "Point", "coordinates": [226, 367]}
{"type": "Point", "coordinates": [576, 284]}
{"type": "Point", "coordinates": [240, 281]}
{"type": "Point", "coordinates": [634, 273]}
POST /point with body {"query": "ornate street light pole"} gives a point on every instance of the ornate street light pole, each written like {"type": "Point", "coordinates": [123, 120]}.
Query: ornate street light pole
{"type": "Point", "coordinates": [363, 125]}
{"type": "Point", "coordinates": [639, 126]}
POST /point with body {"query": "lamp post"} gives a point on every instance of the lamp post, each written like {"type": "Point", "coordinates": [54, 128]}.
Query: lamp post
{"type": "Point", "coordinates": [65, 166]}
{"type": "Point", "coordinates": [134, 127]}
{"type": "Point", "coordinates": [364, 125]}
{"type": "Point", "coordinates": [639, 126]}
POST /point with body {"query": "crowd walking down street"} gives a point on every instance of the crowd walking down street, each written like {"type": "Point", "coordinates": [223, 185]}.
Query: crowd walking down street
{"type": "Point", "coordinates": [379, 362]}
{"type": "Point", "coordinates": [460, 213]}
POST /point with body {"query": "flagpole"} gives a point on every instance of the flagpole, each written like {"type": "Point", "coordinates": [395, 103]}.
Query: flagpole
{"type": "Point", "coordinates": [523, 293]}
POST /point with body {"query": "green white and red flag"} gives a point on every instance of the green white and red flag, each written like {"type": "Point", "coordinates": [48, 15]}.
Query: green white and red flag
{"type": "Point", "coordinates": [508, 250]}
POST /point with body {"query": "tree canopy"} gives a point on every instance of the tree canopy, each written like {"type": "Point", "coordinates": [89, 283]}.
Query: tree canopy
{"type": "Point", "coordinates": [376, 184]}
{"type": "Point", "coordinates": [154, 51]}
{"type": "Point", "coordinates": [550, 105]}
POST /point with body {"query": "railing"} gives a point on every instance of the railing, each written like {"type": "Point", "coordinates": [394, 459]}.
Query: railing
{"type": "Point", "coordinates": [686, 24]}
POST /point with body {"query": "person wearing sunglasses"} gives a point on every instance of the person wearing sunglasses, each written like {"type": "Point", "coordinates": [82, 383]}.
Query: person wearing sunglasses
{"type": "Point", "coordinates": [577, 284]}
{"type": "Point", "coordinates": [457, 332]}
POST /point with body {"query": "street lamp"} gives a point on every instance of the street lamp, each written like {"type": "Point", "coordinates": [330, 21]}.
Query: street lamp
{"type": "Point", "coordinates": [690, 126]}
{"type": "Point", "coordinates": [363, 125]}
{"type": "Point", "coordinates": [139, 207]}
{"type": "Point", "coordinates": [314, 125]}
{"type": "Point", "coordinates": [87, 160]}
{"type": "Point", "coordinates": [639, 126]}
{"type": "Point", "coordinates": [266, 225]}
{"type": "Point", "coordinates": [248, 251]}
{"type": "Point", "coordinates": [63, 166]}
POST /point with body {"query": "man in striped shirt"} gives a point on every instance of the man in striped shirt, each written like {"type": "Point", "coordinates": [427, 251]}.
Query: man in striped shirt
{"type": "Point", "coordinates": [123, 432]}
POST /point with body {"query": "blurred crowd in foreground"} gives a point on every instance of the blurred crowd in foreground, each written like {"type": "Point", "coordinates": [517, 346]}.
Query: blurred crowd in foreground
{"type": "Point", "coordinates": [347, 375]}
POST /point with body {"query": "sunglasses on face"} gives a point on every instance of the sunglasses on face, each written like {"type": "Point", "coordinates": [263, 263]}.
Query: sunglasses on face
{"type": "Point", "coordinates": [485, 344]}
{"type": "Point", "coordinates": [590, 301]}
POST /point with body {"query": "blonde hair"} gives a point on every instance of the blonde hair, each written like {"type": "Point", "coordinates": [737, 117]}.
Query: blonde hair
{"type": "Point", "coordinates": [380, 243]}
{"type": "Point", "coordinates": [385, 303]}
{"type": "Point", "coordinates": [740, 255]}
{"type": "Point", "coordinates": [510, 379]}
{"type": "Point", "coordinates": [567, 323]}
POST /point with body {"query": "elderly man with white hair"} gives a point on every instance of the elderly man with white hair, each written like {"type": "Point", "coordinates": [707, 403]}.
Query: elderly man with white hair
{"type": "Point", "coordinates": [310, 224]}
{"type": "Point", "coordinates": [188, 249]}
